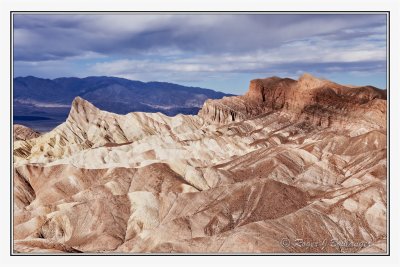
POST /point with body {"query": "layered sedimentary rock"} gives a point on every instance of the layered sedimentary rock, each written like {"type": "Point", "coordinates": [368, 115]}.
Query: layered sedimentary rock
{"type": "Point", "coordinates": [289, 164]}
{"type": "Point", "coordinates": [311, 99]}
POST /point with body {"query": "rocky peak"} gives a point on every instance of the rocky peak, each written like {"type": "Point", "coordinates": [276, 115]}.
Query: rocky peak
{"type": "Point", "coordinates": [82, 115]}
{"type": "Point", "coordinates": [79, 104]}
{"type": "Point", "coordinates": [308, 81]}
{"type": "Point", "coordinates": [82, 109]}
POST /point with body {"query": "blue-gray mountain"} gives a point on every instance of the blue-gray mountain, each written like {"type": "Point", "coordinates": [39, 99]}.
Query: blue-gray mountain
{"type": "Point", "coordinates": [44, 103]}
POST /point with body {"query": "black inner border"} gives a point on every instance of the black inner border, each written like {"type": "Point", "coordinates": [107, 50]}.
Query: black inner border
{"type": "Point", "coordinates": [33, 12]}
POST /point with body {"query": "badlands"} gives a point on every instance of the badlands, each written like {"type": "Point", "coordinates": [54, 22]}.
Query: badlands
{"type": "Point", "coordinates": [292, 166]}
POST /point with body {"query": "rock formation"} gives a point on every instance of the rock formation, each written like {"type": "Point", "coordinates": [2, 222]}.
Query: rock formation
{"type": "Point", "coordinates": [22, 132]}
{"type": "Point", "coordinates": [288, 162]}
{"type": "Point", "coordinates": [309, 98]}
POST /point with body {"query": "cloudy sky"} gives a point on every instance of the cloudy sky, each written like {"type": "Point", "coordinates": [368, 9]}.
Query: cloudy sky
{"type": "Point", "coordinates": [221, 52]}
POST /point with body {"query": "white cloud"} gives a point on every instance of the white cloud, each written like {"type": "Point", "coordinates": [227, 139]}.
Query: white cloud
{"type": "Point", "coordinates": [308, 51]}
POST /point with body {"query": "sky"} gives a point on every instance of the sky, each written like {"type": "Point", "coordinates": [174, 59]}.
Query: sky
{"type": "Point", "coordinates": [220, 52]}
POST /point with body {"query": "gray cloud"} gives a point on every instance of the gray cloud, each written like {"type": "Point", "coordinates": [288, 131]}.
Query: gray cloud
{"type": "Point", "coordinates": [154, 47]}
{"type": "Point", "coordinates": [48, 37]}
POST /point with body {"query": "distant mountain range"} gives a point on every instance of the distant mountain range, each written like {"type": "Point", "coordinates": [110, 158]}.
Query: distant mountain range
{"type": "Point", "coordinates": [50, 99]}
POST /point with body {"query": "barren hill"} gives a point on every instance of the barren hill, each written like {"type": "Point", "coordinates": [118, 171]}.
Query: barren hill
{"type": "Point", "coordinates": [290, 160]}
{"type": "Point", "coordinates": [22, 132]}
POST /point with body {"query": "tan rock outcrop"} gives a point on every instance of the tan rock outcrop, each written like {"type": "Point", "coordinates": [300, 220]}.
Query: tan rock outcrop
{"type": "Point", "coordinates": [22, 132]}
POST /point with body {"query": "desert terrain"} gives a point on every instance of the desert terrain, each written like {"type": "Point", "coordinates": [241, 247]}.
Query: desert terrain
{"type": "Point", "coordinates": [292, 166]}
